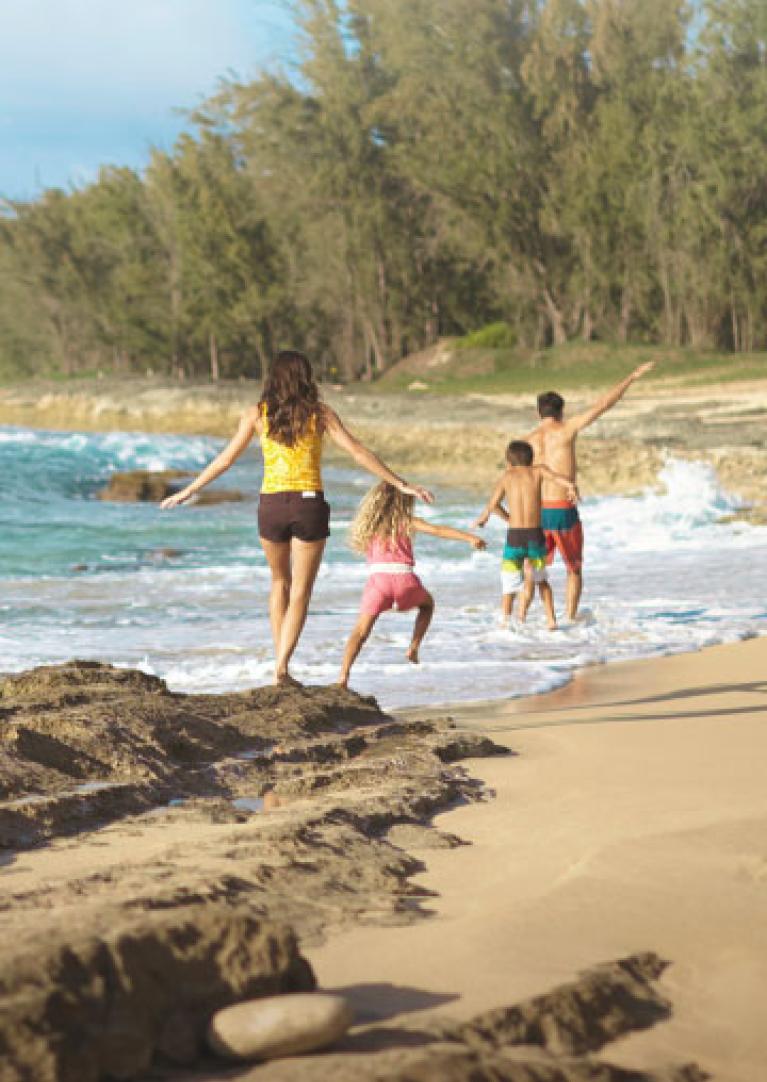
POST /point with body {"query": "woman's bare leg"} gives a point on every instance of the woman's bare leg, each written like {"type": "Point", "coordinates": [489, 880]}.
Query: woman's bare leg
{"type": "Point", "coordinates": [422, 621]}
{"type": "Point", "coordinates": [306, 560]}
{"type": "Point", "coordinates": [357, 640]}
{"type": "Point", "coordinates": [278, 557]}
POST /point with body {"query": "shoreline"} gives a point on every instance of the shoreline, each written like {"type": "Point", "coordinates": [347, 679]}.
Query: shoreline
{"type": "Point", "coordinates": [451, 438]}
{"type": "Point", "coordinates": [467, 710]}
{"type": "Point", "coordinates": [631, 817]}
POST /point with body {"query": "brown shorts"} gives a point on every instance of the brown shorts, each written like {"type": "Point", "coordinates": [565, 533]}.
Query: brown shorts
{"type": "Point", "coordinates": [284, 515]}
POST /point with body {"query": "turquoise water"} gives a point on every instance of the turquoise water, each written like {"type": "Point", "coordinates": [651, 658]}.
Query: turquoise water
{"type": "Point", "coordinates": [84, 578]}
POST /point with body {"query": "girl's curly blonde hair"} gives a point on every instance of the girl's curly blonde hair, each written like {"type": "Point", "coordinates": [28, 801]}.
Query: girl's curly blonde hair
{"type": "Point", "coordinates": [385, 513]}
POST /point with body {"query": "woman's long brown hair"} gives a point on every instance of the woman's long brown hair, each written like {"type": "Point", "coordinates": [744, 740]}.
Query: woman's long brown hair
{"type": "Point", "coordinates": [290, 397]}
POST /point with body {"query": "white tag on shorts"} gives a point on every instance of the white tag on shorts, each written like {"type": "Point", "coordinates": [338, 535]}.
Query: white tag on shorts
{"type": "Point", "coordinates": [309, 495]}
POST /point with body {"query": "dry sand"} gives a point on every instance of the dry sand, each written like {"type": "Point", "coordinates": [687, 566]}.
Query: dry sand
{"type": "Point", "coordinates": [634, 817]}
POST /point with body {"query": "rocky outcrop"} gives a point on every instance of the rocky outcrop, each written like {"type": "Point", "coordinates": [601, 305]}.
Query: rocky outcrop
{"type": "Point", "coordinates": [147, 486]}
{"type": "Point", "coordinates": [312, 778]}
{"type": "Point", "coordinates": [82, 1005]}
{"type": "Point", "coordinates": [546, 1039]}
{"type": "Point", "coordinates": [119, 959]}
{"type": "Point", "coordinates": [605, 1003]}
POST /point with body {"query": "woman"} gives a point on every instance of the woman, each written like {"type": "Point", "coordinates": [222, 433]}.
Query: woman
{"type": "Point", "coordinates": [293, 515]}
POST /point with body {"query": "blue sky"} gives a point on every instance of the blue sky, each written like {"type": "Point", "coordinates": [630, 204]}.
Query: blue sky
{"type": "Point", "coordinates": [83, 82]}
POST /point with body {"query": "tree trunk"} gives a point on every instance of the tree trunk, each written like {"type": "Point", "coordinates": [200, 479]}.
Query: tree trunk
{"type": "Point", "coordinates": [556, 319]}
{"type": "Point", "coordinates": [215, 372]}
{"type": "Point", "coordinates": [374, 342]}
{"type": "Point", "coordinates": [587, 325]}
{"type": "Point", "coordinates": [627, 308]}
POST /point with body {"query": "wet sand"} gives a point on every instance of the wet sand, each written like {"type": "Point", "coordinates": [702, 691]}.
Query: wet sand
{"type": "Point", "coordinates": [633, 817]}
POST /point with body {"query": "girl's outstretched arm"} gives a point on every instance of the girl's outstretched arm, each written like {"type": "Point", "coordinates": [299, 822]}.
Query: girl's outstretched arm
{"type": "Point", "coordinates": [448, 532]}
{"type": "Point", "coordinates": [363, 456]}
{"type": "Point", "coordinates": [220, 464]}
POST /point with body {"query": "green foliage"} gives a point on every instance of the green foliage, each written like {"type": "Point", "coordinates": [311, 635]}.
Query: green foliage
{"type": "Point", "coordinates": [550, 171]}
{"type": "Point", "coordinates": [497, 335]}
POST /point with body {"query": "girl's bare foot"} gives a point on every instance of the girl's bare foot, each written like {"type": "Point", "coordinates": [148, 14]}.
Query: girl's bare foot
{"type": "Point", "coordinates": [412, 654]}
{"type": "Point", "coordinates": [343, 681]}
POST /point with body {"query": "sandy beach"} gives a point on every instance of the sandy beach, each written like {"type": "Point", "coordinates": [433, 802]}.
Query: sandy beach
{"type": "Point", "coordinates": [626, 820]}
{"type": "Point", "coordinates": [632, 817]}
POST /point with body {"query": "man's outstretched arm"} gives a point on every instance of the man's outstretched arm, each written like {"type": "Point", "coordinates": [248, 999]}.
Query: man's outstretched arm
{"type": "Point", "coordinates": [607, 401]}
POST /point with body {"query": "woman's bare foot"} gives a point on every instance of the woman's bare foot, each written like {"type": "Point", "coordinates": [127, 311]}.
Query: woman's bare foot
{"type": "Point", "coordinates": [412, 654]}
{"type": "Point", "coordinates": [343, 681]}
{"type": "Point", "coordinates": [284, 679]}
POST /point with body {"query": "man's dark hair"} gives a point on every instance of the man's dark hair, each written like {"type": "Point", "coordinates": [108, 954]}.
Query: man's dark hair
{"type": "Point", "coordinates": [519, 453]}
{"type": "Point", "coordinates": [551, 404]}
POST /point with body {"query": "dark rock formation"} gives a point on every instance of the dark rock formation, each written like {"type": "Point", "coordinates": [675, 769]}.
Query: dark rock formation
{"type": "Point", "coordinates": [122, 960]}
{"type": "Point", "coordinates": [604, 1004]}
{"type": "Point", "coordinates": [86, 1004]}
{"type": "Point", "coordinates": [147, 486]}
{"type": "Point", "coordinates": [545, 1039]}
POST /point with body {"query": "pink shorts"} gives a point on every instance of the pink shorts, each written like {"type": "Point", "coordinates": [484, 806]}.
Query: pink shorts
{"type": "Point", "coordinates": [385, 591]}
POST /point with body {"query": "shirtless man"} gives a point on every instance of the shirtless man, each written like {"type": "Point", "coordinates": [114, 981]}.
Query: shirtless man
{"type": "Point", "coordinates": [554, 444]}
{"type": "Point", "coordinates": [520, 486]}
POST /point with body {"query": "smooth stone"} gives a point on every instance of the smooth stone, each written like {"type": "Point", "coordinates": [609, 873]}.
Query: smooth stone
{"type": "Point", "coordinates": [279, 1026]}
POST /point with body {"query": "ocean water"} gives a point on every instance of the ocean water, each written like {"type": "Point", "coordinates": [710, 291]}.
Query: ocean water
{"type": "Point", "coordinates": [87, 579]}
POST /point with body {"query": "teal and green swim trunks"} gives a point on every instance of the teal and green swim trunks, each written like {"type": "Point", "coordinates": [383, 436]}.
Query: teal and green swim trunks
{"type": "Point", "coordinates": [528, 543]}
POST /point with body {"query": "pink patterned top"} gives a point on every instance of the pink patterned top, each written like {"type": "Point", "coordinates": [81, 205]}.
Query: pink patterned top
{"type": "Point", "coordinates": [383, 551]}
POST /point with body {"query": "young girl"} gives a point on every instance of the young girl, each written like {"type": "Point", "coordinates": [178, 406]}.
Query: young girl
{"type": "Point", "coordinates": [382, 530]}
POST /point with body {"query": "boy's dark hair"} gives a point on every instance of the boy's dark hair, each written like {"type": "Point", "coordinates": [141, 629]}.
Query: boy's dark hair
{"type": "Point", "coordinates": [519, 453]}
{"type": "Point", "coordinates": [551, 404]}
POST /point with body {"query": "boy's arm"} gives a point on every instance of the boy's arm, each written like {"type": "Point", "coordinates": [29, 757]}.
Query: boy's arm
{"type": "Point", "coordinates": [607, 401]}
{"type": "Point", "coordinates": [493, 505]}
{"type": "Point", "coordinates": [448, 532]}
{"type": "Point", "coordinates": [570, 486]}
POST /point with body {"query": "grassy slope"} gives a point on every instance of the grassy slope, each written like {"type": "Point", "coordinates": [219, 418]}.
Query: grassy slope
{"type": "Point", "coordinates": [574, 366]}
{"type": "Point", "coordinates": [485, 371]}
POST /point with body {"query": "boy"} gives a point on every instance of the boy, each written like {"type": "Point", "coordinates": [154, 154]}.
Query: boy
{"type": "Point", "coordinates": [520, 486]}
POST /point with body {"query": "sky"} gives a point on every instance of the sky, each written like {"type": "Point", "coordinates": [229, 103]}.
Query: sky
{"type": "Point", "coordinates": [88, 82]}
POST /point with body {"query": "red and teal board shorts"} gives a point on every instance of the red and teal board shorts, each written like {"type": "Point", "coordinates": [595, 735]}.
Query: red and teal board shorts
{"type": "Point", "coordinates": [563, 530]}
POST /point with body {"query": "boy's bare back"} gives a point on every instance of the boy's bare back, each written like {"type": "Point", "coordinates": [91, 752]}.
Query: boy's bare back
{"type": "Point", "coordinates": [522, 495]}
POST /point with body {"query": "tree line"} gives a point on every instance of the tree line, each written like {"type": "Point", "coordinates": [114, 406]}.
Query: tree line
{"type": "Point", "coordinates": [574, 168]}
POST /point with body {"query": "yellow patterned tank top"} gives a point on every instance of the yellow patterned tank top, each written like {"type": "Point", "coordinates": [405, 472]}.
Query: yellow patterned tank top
{"type": "Point", "coordinates": [292, 469]}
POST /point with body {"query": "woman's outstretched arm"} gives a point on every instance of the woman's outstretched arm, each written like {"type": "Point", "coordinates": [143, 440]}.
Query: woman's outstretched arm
{"type": "Point", "coordinates": [220, 464]}
{"type": "Point", "coordinates": [363, 456]}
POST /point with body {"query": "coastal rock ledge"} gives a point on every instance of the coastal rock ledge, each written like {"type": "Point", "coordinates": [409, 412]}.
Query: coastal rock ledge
{"type": "Point", "coordinates": [150, 486]}
{"type": "Point", "coordinates": [169, 840]}
{"type": "Point", "coordinates": [103, 1004]}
